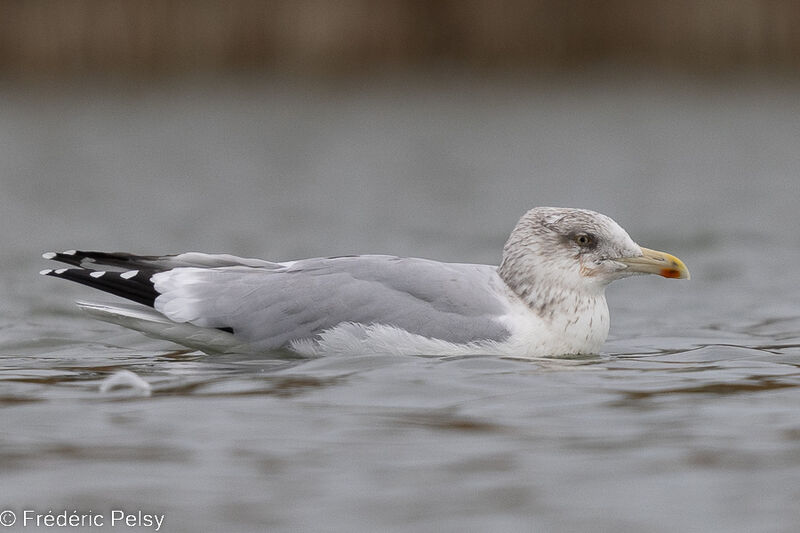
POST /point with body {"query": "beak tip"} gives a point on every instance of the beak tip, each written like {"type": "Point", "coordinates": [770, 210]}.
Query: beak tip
{"type": "Point", "coordinates": [661, 263]}
{"type": "Point", "coordinates": [676, 272]}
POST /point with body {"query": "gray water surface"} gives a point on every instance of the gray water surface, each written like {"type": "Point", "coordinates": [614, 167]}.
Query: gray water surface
{"type": "Point", "coordinates": [687, 421]}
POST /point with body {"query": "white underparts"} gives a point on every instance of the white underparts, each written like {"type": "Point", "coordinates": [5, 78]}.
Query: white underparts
{"type": "Point", "coordinates": [350, 338]}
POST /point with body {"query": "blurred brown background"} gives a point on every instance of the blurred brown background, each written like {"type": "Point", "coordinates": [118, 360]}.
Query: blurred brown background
{"type": "Point", "coordinates": [155, 37]}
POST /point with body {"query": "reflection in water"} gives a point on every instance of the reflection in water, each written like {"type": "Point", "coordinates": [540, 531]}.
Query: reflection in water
{"type": "Point", "coordinates": [283, 386]}
{"type": "Point", "coordinates": [443, 420]}
{"type": "Point", "coordinates": [758, 384]}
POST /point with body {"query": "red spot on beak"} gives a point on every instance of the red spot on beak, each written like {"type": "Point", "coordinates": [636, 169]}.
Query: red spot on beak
{"type": "Point", "coordinates": [670, 273]}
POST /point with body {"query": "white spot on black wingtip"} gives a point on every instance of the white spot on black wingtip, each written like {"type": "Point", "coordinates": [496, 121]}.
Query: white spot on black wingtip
{"type": "Point", "coordinates": [69, 252]}
{"type": "Point", "coordinates": [60, 271]}
{"type": "Point", "coordinates": [98, 274]}
{"type": "Point", "coordinates": [49, 255]}
{"type": "Point", "coordinates": [129, 274]}
{"type": "Point", "coordinates": [46, 271]}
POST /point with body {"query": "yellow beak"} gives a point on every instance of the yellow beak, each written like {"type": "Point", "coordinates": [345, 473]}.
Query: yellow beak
{"type": "Point", "coordinates": [655, 262]}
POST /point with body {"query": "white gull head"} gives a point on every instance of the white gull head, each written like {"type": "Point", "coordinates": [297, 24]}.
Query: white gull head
{"type": "Point", "coordinates": [558, 262]}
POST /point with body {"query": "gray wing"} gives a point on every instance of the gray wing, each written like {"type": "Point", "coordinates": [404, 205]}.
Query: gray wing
{"type": "Point", "coordinates": [270, 308]}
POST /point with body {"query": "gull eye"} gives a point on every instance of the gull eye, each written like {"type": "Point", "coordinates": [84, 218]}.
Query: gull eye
{"type": "Point", "coordinates": [584, 240]}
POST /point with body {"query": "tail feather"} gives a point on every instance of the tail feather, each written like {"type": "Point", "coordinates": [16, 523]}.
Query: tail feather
{"type": "Point", "coordinates": [154, 324]}
{"type": "Point", "coordinates": [131, 277]}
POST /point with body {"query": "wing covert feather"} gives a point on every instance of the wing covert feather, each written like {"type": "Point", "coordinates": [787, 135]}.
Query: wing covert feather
{"type": "Point", "coordinates": [272, 307]}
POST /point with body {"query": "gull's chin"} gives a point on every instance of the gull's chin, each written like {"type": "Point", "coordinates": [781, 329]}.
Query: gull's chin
{"type": "Point", "coordinates": [619, 270]}
{"type": "Point", "coordinates": [605, 272]}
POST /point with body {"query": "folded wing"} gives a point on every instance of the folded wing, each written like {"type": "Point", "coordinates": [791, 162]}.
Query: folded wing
{"type": "Point", "coordinates": [270, 305]}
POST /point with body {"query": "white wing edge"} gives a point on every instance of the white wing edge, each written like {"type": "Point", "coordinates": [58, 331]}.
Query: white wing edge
{"type": "Point", "coordinates": [154, 324]}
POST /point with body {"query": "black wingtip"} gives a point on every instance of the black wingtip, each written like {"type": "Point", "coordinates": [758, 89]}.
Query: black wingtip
{"type": "Point", "coordinates": [134, 285]}
{"type": "Point", "coordinates": [114, 260]}
{"type": "Point", "coordinates": [70, 257]}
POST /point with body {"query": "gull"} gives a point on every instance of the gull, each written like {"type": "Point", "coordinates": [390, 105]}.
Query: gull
{"type": "Point", "coordinates": [546, 298]}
